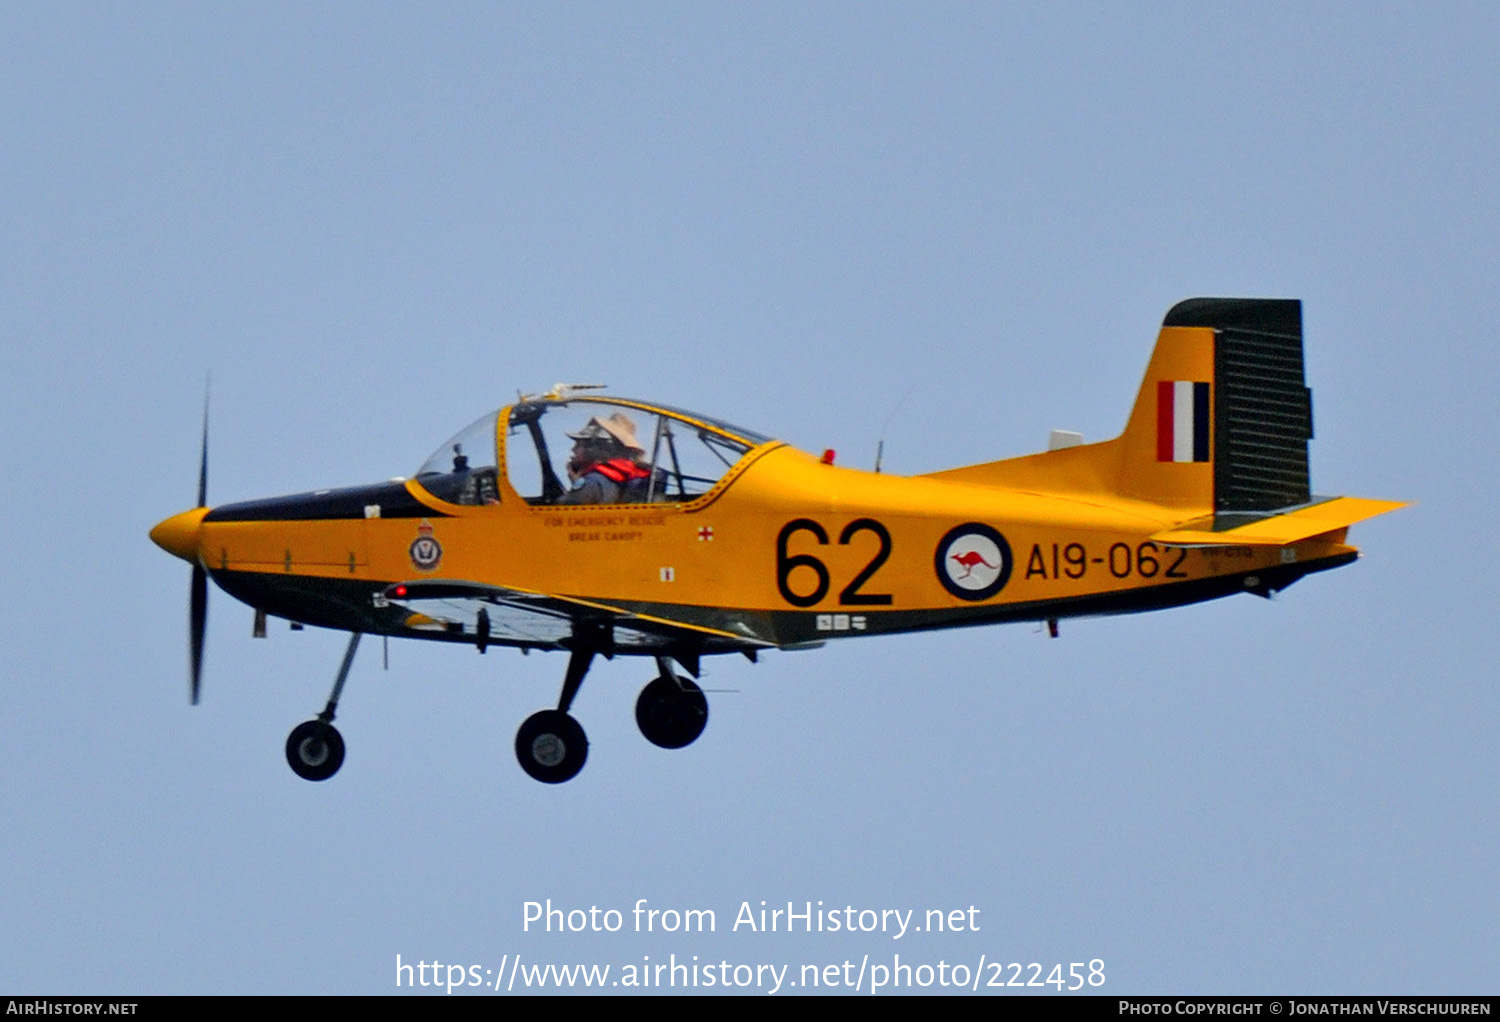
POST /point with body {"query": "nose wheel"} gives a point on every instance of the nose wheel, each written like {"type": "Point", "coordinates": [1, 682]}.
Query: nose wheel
{"type": "Point", "coordinates": [315, 750]}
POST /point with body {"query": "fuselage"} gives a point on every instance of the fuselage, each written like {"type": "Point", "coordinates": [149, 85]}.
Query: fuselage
{"type": "Point", "coordinates": [783, 545]}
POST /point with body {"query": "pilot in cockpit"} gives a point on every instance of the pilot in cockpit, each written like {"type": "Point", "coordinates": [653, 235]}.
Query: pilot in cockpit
{"type": "Point", "coordinates": [608, 464]}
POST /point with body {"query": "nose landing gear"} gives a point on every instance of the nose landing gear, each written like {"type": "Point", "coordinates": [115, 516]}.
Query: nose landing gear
{"type": "Point", "coordinates": [315, 749]}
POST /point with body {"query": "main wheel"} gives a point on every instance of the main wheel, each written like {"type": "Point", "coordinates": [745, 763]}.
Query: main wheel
{"type": "Point", "coordinates": [671, 712]}
{"type": "Point", "coordinates": [315, 750]}
{"type": "Point", "coordinates": [551, 746]}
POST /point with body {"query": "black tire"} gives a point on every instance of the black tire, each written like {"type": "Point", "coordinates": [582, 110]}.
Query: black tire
{"type": "Point", "coordinates": [315, 750]}
{"type": "Point", "coordinates": [671, 712]}
{"type": "Point", "coordinates": [551, 746]}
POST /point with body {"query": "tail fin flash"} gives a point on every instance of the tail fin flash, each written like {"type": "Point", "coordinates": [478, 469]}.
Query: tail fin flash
{"type": "Point", "coordinates": [1224, 414]}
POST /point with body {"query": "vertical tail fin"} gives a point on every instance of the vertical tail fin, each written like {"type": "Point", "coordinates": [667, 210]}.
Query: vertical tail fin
{"type": "Point", "coordinates": [1224, 415]}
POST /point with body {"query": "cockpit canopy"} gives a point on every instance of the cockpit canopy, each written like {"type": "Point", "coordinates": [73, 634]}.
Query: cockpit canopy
{"type": "Point", "coordinates": [672, 455]}
{"type": "Point", "coordinates": [462, 471]}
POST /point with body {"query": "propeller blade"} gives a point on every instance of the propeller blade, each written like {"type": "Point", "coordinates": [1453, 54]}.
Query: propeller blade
{"type": "Point", "coordinates": [203, 459]}
{"type": "Point", "coordinates": [197, 625]}
{"type": "Point", "coordinates": [198, 601]}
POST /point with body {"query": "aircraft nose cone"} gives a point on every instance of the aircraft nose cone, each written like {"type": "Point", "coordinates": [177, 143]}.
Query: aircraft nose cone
{"type": "Point", "coordinates": [178, 535]}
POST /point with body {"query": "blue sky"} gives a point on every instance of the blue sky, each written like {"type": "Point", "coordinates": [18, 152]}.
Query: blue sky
{"type": "Point", "coordinates": [373, 223]}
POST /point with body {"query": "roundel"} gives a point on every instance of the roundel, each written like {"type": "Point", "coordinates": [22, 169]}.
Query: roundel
{"type": "Point", "coordinates": [973, 561]}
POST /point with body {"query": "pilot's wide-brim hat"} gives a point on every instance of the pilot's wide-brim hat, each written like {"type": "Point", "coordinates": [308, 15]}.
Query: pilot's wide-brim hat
{"type": "Point", "coordinates": [617, 427]}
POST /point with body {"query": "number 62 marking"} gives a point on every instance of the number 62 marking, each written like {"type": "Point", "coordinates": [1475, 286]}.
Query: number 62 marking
{"type": "Point", "coordinates": [850, 596]}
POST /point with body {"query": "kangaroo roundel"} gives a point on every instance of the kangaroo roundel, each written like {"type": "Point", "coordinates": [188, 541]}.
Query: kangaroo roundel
{"type": "Point", "coordinates": [973, 561]}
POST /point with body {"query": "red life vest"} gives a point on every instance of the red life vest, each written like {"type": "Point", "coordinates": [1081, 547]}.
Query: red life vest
{"type": "Point", "coordinates": [620, 470]}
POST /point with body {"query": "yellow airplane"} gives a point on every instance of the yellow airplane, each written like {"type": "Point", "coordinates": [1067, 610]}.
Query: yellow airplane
{"type": "Point", "coordinates": [604, 526]}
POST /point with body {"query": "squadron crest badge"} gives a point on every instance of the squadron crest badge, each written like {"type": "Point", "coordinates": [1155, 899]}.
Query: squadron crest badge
{"type": "Point", "coordinates": [425, 551]}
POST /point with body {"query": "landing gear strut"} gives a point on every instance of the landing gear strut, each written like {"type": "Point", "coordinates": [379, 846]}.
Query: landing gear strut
{"type": "Point", "coordinates": [672, 710]}
{"type": "Point", "coordinates": [315, 749]}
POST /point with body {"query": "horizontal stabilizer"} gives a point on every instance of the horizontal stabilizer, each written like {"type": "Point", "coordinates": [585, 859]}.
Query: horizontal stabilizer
{"type": "Point", "coordinates": [1276, 529]}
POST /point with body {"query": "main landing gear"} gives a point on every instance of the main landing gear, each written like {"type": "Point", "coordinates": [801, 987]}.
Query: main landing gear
{"type": "Point", "coordinates": [552, 747]}
{"type": "Point", "coordinates": [672, 711]}
{"type": "Point", "coordinates": [315, 749]}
